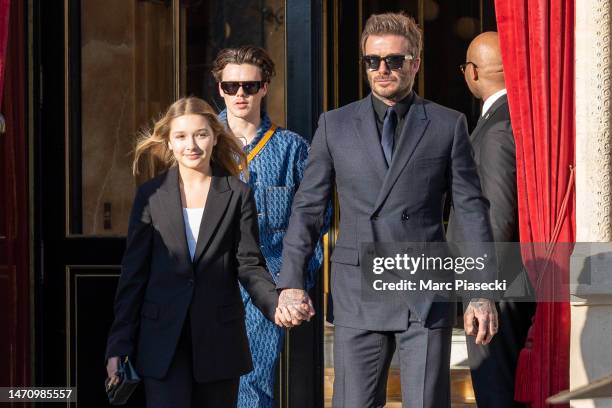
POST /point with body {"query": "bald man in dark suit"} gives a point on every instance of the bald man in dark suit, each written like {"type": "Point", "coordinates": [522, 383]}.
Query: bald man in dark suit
{"type": "Point", "coordinates": [493, 366]}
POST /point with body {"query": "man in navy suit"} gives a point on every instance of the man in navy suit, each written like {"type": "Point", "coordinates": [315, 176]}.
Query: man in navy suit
{"type": "Point", "coordinates": [393, 157]}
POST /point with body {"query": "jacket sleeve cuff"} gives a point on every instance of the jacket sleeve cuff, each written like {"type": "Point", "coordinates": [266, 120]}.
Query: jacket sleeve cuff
{"type": "Point", "coordinates": [289, 282]}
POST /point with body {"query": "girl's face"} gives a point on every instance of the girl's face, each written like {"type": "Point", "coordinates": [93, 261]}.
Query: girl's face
{"type": "Point", "coordinates": [191, 141]}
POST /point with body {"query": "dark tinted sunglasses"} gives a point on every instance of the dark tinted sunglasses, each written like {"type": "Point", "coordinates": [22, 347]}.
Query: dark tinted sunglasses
{"type": "Point", "coordinates": [249, 87]}
{"type": "Point", "coordinates": [395, 61]}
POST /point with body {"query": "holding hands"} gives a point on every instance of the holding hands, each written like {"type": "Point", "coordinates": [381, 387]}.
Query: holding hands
{"type": "Point", "coordinates": [294, 306]}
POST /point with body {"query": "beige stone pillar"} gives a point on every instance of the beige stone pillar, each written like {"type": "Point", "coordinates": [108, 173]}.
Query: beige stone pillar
{"type": "Point", "coordinates": [591, 306]}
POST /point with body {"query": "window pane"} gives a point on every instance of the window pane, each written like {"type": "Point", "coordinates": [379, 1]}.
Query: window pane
{"type": "Point", "coordinates": [209, 26]}
{"type": "Point", "coordinates": [126, 77]}
{"type": "Point", "coordinates": [449, 29]}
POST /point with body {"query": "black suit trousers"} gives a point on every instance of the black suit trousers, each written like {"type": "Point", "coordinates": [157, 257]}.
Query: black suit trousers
{"type": "Point", "coordinates": [493, 366]}
{"type": "Point", "coordinates": [178, 389]}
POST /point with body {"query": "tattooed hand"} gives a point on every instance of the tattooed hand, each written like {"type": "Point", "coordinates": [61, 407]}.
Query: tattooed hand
{"type": "Point", "coordinates": [480, 320]}
{"type": "Point", "coordinates": [294, 306]}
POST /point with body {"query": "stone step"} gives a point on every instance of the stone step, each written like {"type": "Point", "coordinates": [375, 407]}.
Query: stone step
{"type": "Point", "coordinates": [462, 393]}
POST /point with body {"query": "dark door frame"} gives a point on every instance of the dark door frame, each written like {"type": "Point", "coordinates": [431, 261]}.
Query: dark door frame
{"type": "Point", "coordinates": [55, 250]}
{"type": "Point", "coordinates": [302, 364]}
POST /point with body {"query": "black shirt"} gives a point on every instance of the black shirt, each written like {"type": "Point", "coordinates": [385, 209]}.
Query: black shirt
{"type": "Point", "coordinates": [401, 109]}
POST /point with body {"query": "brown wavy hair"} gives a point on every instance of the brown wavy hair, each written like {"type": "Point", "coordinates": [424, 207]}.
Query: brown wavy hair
{"type": "Point", "coordinates": [394, 23]}
{"type": "Point", "coordinates": [153, 156]}
{"type": "Point", "coordinates": [247, 54]}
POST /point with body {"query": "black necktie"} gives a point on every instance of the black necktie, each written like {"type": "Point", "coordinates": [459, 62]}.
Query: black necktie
{"type": "Point", "coordinates": [388, 134]}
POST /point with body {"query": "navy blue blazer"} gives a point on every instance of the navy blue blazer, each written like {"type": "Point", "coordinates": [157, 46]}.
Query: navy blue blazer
{"type": "Point", "coordinates": [401, 203]}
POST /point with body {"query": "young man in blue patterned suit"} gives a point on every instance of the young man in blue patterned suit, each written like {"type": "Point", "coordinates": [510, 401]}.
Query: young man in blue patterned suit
{"type": "Point", "coordinates": [277, 158]}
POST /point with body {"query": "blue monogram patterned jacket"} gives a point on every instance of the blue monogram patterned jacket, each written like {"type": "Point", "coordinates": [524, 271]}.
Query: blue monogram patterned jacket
{"type": "Point", "coordinates": [274, 176]}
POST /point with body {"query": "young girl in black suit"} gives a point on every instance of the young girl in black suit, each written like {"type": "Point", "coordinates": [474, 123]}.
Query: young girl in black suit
{"type": "Point", "coordinates": [192, 236]}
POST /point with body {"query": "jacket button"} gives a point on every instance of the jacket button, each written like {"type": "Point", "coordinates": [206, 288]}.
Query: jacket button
{"type": "Point", "coordinates": [190, 282]}
{"type": "Point", "coordinates": [405, 216]}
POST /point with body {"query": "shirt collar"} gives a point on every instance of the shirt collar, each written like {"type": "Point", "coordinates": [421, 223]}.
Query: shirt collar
{"type": "Point", "coordinates": [265, 124]}
{"type": "Point", "coordinates": [401, 107]}
{"type": "Point", "coordinates": [491, 100]}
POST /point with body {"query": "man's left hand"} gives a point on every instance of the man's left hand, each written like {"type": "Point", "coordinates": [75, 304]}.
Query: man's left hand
{"type": "Point", "coordinates": [294, 306]}
{"type": "Point", "coordinates": [480, 319]}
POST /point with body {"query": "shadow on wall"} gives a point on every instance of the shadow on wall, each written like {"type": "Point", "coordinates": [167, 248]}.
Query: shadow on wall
{"type": "Point", "coordinates": [593, 319]}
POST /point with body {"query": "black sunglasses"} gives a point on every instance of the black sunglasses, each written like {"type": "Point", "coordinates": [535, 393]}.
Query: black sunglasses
{"type": "Point", "coordinates": [249, 87]}
{"type": "Point", "coordinates": [394, 61]}
{"type": "Point", "coordinates": [462, 67]}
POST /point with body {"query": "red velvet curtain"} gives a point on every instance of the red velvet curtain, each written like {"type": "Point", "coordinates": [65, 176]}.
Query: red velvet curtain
{"type": "Point", "coordinates": [5, 6]}
{"type": "Point", "coordinates": [537, 42]}
{"type": "Point", "coordinates": [14, 193]}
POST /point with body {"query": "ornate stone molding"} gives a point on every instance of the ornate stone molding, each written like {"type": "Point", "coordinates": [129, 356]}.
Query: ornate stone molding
{"type": "Point", "coordinates": [593, 121]}
{"type": "Point", "coordinates": [593, 140]}
{"type": "Point", "coordinates": [591, 310]}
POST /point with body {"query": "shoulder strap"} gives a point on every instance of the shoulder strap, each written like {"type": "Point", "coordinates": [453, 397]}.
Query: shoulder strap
{"type": "Point", "coordinates": [262, 143]}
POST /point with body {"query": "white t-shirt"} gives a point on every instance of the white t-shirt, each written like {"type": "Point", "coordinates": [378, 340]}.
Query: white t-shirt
{"type": "Point", "coordinates": [193, 218]}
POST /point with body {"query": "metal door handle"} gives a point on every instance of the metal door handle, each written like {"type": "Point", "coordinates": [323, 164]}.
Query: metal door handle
{"type": "Point", "coordinates": [2, 125]}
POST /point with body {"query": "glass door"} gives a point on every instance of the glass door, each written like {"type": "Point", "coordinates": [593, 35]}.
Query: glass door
{"type": "Point", "coordinates": [104, 70]}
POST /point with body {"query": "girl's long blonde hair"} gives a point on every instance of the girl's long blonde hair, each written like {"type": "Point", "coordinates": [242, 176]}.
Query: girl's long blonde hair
{"type": "Point", "coordinates": [153, 156]}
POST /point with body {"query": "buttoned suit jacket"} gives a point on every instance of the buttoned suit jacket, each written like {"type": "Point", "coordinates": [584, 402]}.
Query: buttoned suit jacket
{"type": "Point", "coordinates": [160, 285]}
{"type": "Point", "coordinates": [402, 203]}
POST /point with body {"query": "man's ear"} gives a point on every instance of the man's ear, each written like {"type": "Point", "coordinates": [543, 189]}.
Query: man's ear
{"type": "Point", "coordinates": [474, 74]}
{"type": "Point", "coordinates": [265, 89]}
{"type": "Point", "coordinates": [416, 65]}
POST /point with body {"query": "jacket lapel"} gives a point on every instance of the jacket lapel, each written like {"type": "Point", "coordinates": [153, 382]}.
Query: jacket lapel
{"type": "Point", "coordinates": [484, 119]}
{"type": "Point", "coordinates": [365, 127]}
{"type": "Point", "coordinates": [172, 224]}
{"type": "Point", "coordinates": [476, 130]}
{"type": "Point", "coordinates": [412, 133]}
{"type": "Point", "coordinates": [216, 204]}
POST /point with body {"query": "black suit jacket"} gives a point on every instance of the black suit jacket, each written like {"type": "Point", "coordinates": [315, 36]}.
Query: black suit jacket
{"type": "Point", "coordinates": [402, 203]}
{"type": "Point", "coordinates": [160, 284]}
{"type": "Point", "coordinates": [495, 156]}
